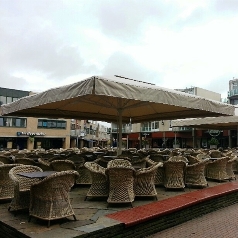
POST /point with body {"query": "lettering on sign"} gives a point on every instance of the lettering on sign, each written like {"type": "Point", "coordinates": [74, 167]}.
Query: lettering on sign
{"type": "Point", "coordinates": [30, 134]}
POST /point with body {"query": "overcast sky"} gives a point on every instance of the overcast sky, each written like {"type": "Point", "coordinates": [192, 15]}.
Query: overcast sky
{"type": "Point", "coordinates": [174, 44]}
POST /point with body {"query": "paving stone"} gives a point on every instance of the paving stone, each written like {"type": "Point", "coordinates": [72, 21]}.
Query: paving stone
{"type": "Point", "coordinates": [74, 224]}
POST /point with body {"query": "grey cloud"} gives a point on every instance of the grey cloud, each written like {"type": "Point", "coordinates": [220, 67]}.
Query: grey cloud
{"type": "Point", "coordinates": [126, 66]}
{"type": "Point", "coordinates": [126, 20]}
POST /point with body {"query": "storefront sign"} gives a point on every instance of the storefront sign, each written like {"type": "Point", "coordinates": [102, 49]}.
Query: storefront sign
{"type": "Point", "coordinates": [214, 132]}
{"type": "Point", "coordinates": [30, 134]}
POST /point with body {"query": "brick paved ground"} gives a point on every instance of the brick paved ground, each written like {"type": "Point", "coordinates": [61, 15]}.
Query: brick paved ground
{"type": "Point", "coordinates": [222, 223]}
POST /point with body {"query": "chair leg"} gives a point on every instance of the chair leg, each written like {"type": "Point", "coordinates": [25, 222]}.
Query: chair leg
{"type": "Point", "coordinates": [29, 219]}
{"type": "Point", "coordinates": [75, 218]}
{"type": "Point", "coordinates": [85, 199]}
{"type": "Point", "coordinates": [48, 224]}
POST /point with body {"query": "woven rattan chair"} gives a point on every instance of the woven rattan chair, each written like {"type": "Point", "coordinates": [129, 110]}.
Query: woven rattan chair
{"type": "Point", "coordinates": [144, 183]}
{"type": "Point", "coordinates": [230, 167]}
{"type": "Point", "coordinates": [217, 169]}
{"type": "Point", "coordinates": [1, 163]}
{"type": "Point", "coordinates": [121, 179]}
{"type": "Point", "coordinates": [62, 165]}
{"type": "Point", "coordinates": [25, 161]}
{"type": "Point", "coordinates": [159, 175]}
{"type": "Point", "coordinates": [195, 174]}
{"type": "Point", "coordinates": [5, 159]}
{"type": "Point", "coordinates": [84, 174]}
{"type": "Point", "coordinates": [174, 172]}
{"type": "Point", "coordinates": [49, 199]}
{"type": "Point", "coordinates": [21, 199]}
{"type": "Point", "coordinates": [215, 153]}
{"type": "Point", "coordinates": [44, 164]}
{"type": "Point", "coordinates": [192, 159]}
{"type": "Point", "coordinates": [99, 186]}
{"type": "Point", "coordinates": [6, 183]}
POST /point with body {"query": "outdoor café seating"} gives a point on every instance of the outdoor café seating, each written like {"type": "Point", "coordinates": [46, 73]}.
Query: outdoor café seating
{"type": "Point", "coordinates": [195, 174]}
{"type": "Point", "coordinates": [229, 167]}
{"type": "Point", "coordinates": [6, 159]}
{"type": "Point", "coordinates": [159, 175]}
{"type": "Point", "coordinates": [49, 198]}
{"type": "Point", "coordinates": [22, 185]}
{"type": "Point", "coordinates": [100, 185]}
{"type": "Point", "coordinates": [216, 169]}
{"type": "Point", "coordinates": [174, 172]}
{"type": "Point", "coordinates": [6, 183]}
{"type": "Point", "coordinates": [26, 161]}
{"type": "Point", "coordinates": [62, 165]}
{"type": "Point", "coordinates": [144, 183]}
{"type": "Point", "coordinates": [121, 176]}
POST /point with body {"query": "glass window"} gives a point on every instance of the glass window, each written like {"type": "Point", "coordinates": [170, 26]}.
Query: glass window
{"type": "Point", "coordinates": [14, 99]}
{"type": "Point", "coordinates": [3, 99]}
{"type": "Point", "coordinates": [1, 121]}
{"type": "Point", "coordinates": [9, 99]}
{"type": "Point", "coordinates": [51, 124]}
{"type": "Point", "coordinates": [63, 125]}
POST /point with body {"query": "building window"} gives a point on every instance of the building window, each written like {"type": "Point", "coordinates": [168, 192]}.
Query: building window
{"type": "Point", "coordinates": [51, 124]}
{"type": "Point", "coordinates": [12, 122]}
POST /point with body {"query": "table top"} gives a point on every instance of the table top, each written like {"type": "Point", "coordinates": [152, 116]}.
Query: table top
{"type": "Point", "coordinates": [37, 174]}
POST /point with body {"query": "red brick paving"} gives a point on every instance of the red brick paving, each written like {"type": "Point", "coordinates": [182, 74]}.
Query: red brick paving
{"type": "Point", "coordinates": [222, 223]}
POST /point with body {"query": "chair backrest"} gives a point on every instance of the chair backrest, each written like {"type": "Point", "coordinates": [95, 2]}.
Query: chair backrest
{"type": "Point", "coordinates": [119, 163]}
{"type": "Point", "coordinates": [62, 165]}
{"type": "Point", "coordinates": [5, 159]}
{"type": "Point", "coordinates": [94, 167]}
{"type": "Point", "coordinates": [23, 182]}
{"type": "Point", "coordinates": [26, 161]}
{"type": "Point", "coordinates": [171, 166]}
{"type": "Point", "coordinates": [203, 156]}
{"type": "Point", "coordinates": [215, 153]}
{"type": "Point", "coordinates": [178, 158]}
{"type": "Point", "coordinates": [4, 171]}
{"type": "Point", "coordinates": [51, 185]}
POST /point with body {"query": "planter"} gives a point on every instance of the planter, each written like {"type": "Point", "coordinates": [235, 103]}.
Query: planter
{"type": "Point", "coordinates": [213, 146]}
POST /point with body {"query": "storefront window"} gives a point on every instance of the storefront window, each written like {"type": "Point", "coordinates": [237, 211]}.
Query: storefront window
{"type": "Point", "coordinates": [51, 124]}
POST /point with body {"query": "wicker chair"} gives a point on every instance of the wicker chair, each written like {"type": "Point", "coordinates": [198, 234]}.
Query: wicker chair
{"type": "Point", "coordinates": [44, 164]}
{"type": "Point", "coordinates": [121, 179]}
{"type": "Point", "coordinates": [174, 172]}
{"type": "Point", "coordinates": [217, 169]}
{"type": "Point", "coordinates": [21, 199]}
{"type": "Point", "coordinates": [159, 175]}
{"type": "Point", "coordinates": [5, 159]}
{"type": "Point", "coordinates": [192, 159]}
{"type": "Point", "coordinates": [230, 167]}
{"type": "Point", "coordinates": [195, 174]}
{"type": "Point", "coordinates": [215, 153]}
{"type": "Point", "coordinates": [99, 186]}
{"type": "Point", "coordinates": [25, 161]}
{"type": "Point", "coordinates": [62, 165]}
{"type": "Point", "coordinates": [6, 183]}
{"type": "Point", "coordinates": [144, 183]}
{"type": "Point", "coordinates": [49, 199]}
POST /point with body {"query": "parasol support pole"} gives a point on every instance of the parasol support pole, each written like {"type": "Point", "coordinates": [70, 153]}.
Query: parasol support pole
{"type": "Point", "coordinates": [119, 142]}
{"type": "Point", "coordinates": [237, 136]}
